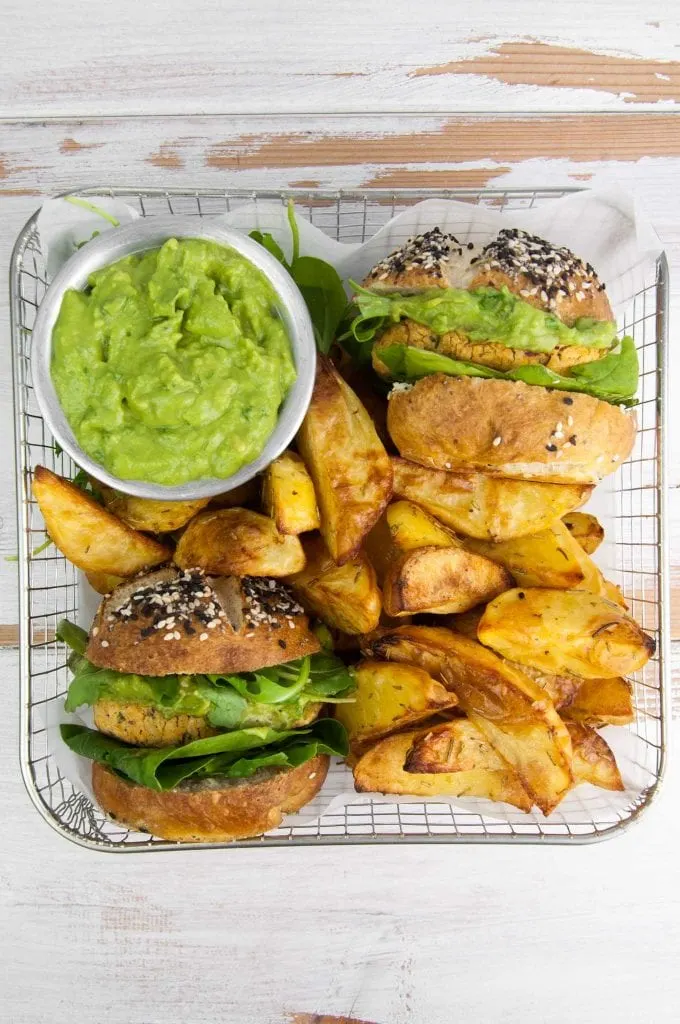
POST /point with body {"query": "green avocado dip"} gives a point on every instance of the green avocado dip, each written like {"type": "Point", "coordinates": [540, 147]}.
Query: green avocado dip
{"type": "Point", "coordinates": [172, 364]}
{"type": "Point", "coordinates": [486, 314]}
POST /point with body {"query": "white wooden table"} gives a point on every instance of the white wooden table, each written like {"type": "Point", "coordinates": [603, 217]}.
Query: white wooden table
{"type": "Point", "coordinates": [304, 93]}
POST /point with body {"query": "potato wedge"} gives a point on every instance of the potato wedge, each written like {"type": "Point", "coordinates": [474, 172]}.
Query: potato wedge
{"type": "Point", "coordinates": [381, 770]}
{"type": "Point", "coordinates": [441, 581]}
{"type": "Point", "coordinates": [238, 542]}
{"type": "Point", "coordinates": [511, 710]}
{"type": "Point", "coordinates": [347, 461]}
{"type": "Point", "coordinates": [404, 526]}
{"type": "Point", "coordinates": [482, 507]}
{"type": "Point", "coordinates": [598, 702]}
{"type": "Point", "coordinates": [288, 495]}
{"type": "Point", "coordinates": [593, 760]}
{"type": "Point", "coordinates": [585, 529]}
{"type": "Point", "coordinates": [389, 697]}
{"type": "Point", "coordinates": [558, 631]}
{"type": "Point", "coordinates": [550, 558]}
{"type": "Point", "coordinates": [87, 534]}
{"type": "Point", "coordinates": [345, 597]}
{"type": "Point", "coordinates": [147, 514]}
{"type": "Point", "coordinates": [413, 527]}
{"type": "Point", "coordinates": [103, 582]}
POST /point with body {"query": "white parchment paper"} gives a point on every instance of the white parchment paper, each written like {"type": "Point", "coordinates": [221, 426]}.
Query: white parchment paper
{"type": "Point", "coordinates": [601, 226]}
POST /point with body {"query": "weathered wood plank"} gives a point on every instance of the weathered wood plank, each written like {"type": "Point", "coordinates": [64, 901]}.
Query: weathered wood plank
{"type": "Point", "coordinates": [297, 57]}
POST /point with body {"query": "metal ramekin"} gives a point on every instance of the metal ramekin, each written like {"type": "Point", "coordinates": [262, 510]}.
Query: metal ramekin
{"type": "Point", "coordinates": [150, 234]}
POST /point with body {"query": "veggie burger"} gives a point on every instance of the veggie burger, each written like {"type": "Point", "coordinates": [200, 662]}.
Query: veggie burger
{"type": "Point", "coordinates": [206, 694]}
{"type": "Point", "coordinates": [505, 360]}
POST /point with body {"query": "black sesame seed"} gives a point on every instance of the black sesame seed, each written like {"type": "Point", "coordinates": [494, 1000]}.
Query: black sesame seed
{"type": "Point", "coordinates": [521, 596]}
{"type": "Point", "coordinates": [568, 401]}
{"type": "Point", "coordinates": [282, 644]}
{"type": "Point", "coordinates": [572, 439]}
{"type": "Point", "coordinates": [551, 447]}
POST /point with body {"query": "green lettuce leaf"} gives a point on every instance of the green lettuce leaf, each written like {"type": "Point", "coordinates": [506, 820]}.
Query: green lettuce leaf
{"type": "Point", "coordinates": [236, 754]}
{"type": "Point", "coordinates": [485, 314]}
{"type": "Point", "coordinates": [614, 378]}
{"type": "Point", "coordinates": [275, 697]}
{"type": "Point", "coordinates": [319, 282]}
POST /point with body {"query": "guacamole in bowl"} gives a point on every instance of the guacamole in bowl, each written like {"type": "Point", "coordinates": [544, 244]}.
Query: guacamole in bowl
{"type": "Point", "coordinates": [179, 366]}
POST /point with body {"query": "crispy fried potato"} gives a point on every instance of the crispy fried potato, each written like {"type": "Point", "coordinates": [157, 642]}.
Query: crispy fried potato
{"type": "Point", "coordinates": [238, 542]}
{"type": "Point", "coordinates": [347, 461]}
{"type": "Point", "coordinates": [485, 508]}
{"type": "Point", "coordinates": [585, 529]}
{"type": "Point", "coordinates": [551, 558]}
{"type": "Point", "coordinates": [413, 527]}
{"type": "Point", "coordinates": [512, 711]}
{"type": "Point", "coordinates": [345, 597]}
{"type": "Point", "coordinates": [389, 697]}
{"type": "Point", "coordinates": [103, 582]}
{"type": "Point", "coordinates": [243, 496]}
{"type": "Point", "coordinates": [593, 760]}
{"type": "Point", "coordinates": [288, 495]}
{"type": "Point", "coordinates": [598, 702]}
{"type": "Point", "coordinates": [147, 514]}
{"type": "Point", "coordinates": [146, 726]}
{"type": "Point", "coordinates": [560, 689]}
{"type": "Point", "coordinates": [381, 770]}
{"type": "Point", "coordinates": [558, 631]}
{"type": "Point", "coordinates": [441, 581]}
{"type": "Point", "coordinates": [87, 534]}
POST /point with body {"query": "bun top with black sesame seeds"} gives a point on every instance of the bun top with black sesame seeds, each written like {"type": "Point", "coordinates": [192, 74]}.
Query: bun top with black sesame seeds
{"type": "Point", "coordinates": [173, 621]}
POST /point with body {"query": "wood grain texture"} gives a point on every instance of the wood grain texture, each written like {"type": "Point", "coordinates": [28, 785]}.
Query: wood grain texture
{"type": "Point", "coordinates": [634, 79]}
{"type": "Point", "coordinates": [231, 58]}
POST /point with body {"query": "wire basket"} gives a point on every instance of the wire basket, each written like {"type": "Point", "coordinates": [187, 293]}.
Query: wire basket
{"type": "Point", "coordinates": [49, 584]}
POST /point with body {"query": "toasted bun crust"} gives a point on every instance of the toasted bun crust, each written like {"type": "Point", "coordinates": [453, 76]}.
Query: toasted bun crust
{"type": "Point", "coordinates": [545, 276]}
{"type": "Point", "coordinates": [590, 302]}
{"type": "Point", "coordinates": [488, 353]}
{"type": "Point", "coordinates": [452, 423]}
{"type": "Point", "coordinates": [234, 644]}
{"type": "Point", "coordinates": [235, 809]}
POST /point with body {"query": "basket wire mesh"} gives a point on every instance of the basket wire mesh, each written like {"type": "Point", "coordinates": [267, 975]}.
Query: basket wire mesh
{"type": "Point", "coordinates": [49, 583]}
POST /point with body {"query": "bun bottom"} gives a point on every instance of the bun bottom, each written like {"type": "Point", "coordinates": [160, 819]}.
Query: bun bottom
{"type": "Point", "coordinates": [238, 809]}
{"type": "Point", "coordinates": [509, 429]}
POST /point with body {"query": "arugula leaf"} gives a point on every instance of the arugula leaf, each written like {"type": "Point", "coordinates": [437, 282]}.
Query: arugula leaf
{"type": "Point", "coordinates": [612, 379]}
{"type": "Point", "coordinates": [318, 281]}
{"type": "Point", "coordinates": [275, 696]}
{"type": "Point", "coordinates": [86, 205]}
{"type": "Point", "coordinates": [227, 754]}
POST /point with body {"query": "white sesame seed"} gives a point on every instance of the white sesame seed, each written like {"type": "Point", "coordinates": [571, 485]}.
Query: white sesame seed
{"type": "Point", "coordinates": [496, 441]}
{"type": "Point", "coordinates": [176, 635]}
{"type": "Point", "coordinates": [570, 421]}
{"type": "Point", "coordinates": [203, 636]}
{"type": "Point", "coordinates": [447, 465]}
{"type": "Point", "coordinates": [105, 643]}
{"type": "Point", "coordinates": [95, 630]}
{"type": "Point", "coordinates": [169, 636]}
{"type": "Point", "coordinates": [558, 426]}
{"type": "Point", "coordinates": [313, 775]}
{"type": "Point", "coordinates": [291, 623]}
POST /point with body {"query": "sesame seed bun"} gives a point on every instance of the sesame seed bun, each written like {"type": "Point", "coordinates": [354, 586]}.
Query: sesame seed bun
{"type": "Point", "coordinates": [217, 810]}
{"type": "Point", "coordinates": [509, 429]}
{"type": "Point", "coordinates": [213, 625]}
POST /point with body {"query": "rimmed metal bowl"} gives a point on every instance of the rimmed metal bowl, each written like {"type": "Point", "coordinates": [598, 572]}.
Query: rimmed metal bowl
{"type": "Point", "coordinates": [139, 237]}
